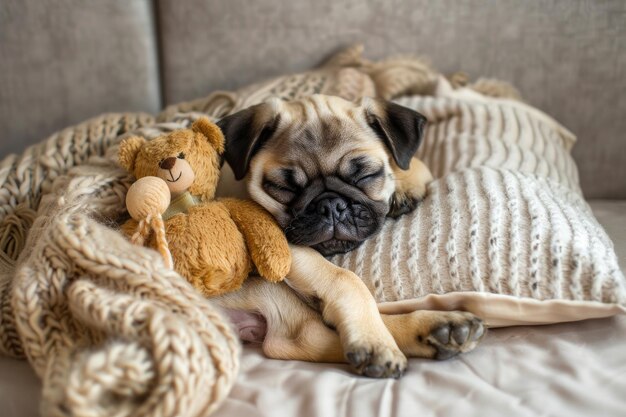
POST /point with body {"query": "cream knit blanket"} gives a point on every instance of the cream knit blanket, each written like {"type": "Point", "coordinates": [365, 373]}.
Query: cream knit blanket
{"type": "Point", "coordinates": [109, 330]}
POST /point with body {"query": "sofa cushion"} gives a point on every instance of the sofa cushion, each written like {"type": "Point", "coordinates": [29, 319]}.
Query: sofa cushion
{"type": "Point", "coordinates": [611, 214]}
{"type": "Point", "coordinates": [65, 61]}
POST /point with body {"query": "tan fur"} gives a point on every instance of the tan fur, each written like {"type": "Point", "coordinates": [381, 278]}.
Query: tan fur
{"type": "Point", "coordinates": [296, 331]}
{"type": "Point", "coordinates": [410, 185]}
{"type": "Point", "coordinates": [142, 158]}
{"type": "Point", "coordinates": [374, 344]}
{"type": "Point", "coordinates": [129, 148]}
{"type": "Point", "coordinates": [215, 243]}
{"type": "Point", "coordinates": [265, 241]}
{"type": "Point", "coordinates": [211, 132]}
{"type": "Point", "coordinates": [344, 119]}
{"type": "Point", "coordinates": [414, 180]}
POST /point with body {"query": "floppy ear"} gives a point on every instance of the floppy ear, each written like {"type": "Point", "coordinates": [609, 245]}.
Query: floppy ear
{"type": "Point", "coordinates": [246, 132]}
{"type": "Point", "coordinates": [400, 128]}
{"type": "Point", "coordinates": [211, 131]}
{"type": "Point", "coordinates": [128, 150]}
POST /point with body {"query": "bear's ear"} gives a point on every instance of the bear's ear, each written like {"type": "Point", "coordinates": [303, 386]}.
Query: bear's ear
{"type": "Point", "coordinates": [127, 154]}
{"type": "Point", "coordinates": [211, 131]}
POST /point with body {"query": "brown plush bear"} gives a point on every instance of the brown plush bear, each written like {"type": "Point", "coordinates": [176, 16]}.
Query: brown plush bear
{"type": "Point", "coordinates": [214, 243]}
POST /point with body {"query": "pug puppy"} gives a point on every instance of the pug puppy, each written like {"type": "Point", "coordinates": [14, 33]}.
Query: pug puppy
{"type": "Point", "coordinates": [330, 171]}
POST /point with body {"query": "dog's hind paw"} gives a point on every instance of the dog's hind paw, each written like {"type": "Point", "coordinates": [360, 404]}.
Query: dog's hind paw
{"type": "Point", "coordinates": [456, 336]}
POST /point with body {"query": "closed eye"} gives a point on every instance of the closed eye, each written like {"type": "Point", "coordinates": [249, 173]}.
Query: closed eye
{"type": "Point", "coordinates": [281, 193]}
{"type": "Point", "coordinates": [364, 180]}
{"type": "Point", "coordinates": [278, 187]}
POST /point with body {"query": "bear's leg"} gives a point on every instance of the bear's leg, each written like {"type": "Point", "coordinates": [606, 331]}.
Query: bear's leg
{"type": "Point", "coordinates": [212, 281]}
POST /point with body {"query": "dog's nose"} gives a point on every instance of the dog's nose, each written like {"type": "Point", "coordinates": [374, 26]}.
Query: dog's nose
{"type": "Point", "coordinates": [332, 207]}
{"type": "Point", "coordinates": [168, 163]}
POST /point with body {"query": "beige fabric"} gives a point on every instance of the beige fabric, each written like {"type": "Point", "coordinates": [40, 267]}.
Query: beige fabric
{"type": "Point", "coordinates": [570, 369]}
{"type": "Point", "coordinates": [346, 74]}
{"type": "Point", "coordinates": [109, 329]}
{"type": "Point", "coordinates": [611, 214]}
{"type": "Point", "coordinates": [573, 370]}
{"type": "Point", "coordinates": [492, 230]}
{"type": "Point", "coordinates": [467, 129]}
{"type": "Point", "coordinates": [504, 310]}
{"type": "Point", "coordinates": [501, 310]}
{"type": "Point", "coordinates": [506, 175]}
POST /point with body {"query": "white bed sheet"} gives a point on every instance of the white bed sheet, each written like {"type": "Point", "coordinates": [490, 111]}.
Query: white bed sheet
{"type": "Point", "coordinates": [574, 369]}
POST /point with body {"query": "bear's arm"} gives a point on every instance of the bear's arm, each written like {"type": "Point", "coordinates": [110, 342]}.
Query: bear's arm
{"type": "Point", "coordinates": [266, 242]}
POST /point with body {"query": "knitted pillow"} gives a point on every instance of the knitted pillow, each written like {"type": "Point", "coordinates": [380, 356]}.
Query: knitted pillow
{"type": "Point", "coordinates": [503, 226]}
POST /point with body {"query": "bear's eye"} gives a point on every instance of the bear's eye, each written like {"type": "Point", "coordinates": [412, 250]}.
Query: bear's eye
{"type": "Point", "coordinates": [181, 156]}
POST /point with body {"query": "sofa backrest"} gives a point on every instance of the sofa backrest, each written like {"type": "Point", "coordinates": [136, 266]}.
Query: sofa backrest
{"type": "Point", "coordinates": [65, 60]}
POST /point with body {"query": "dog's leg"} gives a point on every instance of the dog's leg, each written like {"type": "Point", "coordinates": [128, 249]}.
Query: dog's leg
{"type": "Point", "coordinates": [347, 305]}
{"type": "Point", "coordinates": [435, 334]}
{"type": "Point", "coordinates": [294, 330]}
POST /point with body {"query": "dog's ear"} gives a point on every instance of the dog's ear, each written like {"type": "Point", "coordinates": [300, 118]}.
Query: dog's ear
{"type": "Point", "coordinates": [246, 132]}
{"type": "Point", "coordinates": [400, 128]}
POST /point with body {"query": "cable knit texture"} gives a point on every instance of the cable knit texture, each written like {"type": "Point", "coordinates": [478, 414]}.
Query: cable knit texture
{"type": "Point", "coordinates": [107, 327]}
{"type": "Point", "coordinates": [112, 332]}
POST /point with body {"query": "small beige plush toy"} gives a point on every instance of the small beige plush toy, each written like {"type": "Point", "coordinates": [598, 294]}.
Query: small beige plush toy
{"type": "Point", "coordinates": [147, 199]}
{"type": "Point", "coordinates": [213, 243]}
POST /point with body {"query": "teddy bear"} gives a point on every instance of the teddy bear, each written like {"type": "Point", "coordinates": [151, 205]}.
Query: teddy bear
{"type": "Point", "coordinates": [214, 243]}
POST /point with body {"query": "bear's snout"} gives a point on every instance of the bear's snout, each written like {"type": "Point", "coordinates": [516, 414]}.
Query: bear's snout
{"type": "Point", "coordinates": [168, 163]}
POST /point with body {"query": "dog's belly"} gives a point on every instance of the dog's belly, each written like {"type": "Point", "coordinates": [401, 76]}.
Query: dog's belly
{"type": "Point", "coordinates": [250, 327]}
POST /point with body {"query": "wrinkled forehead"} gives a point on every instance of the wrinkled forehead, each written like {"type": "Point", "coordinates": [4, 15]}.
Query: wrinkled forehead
{"type": "Point", "coordinates": [318, 134]}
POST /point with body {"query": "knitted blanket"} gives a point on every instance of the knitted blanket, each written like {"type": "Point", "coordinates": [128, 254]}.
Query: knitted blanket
{"type": "Point", "coordinates": [106, 326]}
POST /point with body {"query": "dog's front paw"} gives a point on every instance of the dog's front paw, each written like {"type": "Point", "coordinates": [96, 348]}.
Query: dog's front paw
{"type": "Point", "coordinates": [402, 203]}
{"type": "Point", "coordinates": [459, 332]}
{"type": "Point", "coordinates": [411, 188]}
{"type": "Point", "coordinates": [376, 360]}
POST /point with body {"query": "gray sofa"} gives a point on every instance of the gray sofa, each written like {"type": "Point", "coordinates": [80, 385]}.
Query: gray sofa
{"type": "Point", "coordinates": [66, 60]}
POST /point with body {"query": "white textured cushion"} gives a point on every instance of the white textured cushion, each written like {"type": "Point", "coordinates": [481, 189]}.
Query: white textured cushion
{"type": "Point", "coordinates": [505, 216]}
{"type": "Point", "coordinates": [493, 230]}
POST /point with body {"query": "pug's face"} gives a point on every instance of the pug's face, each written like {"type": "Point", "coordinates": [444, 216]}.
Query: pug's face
{"type": "Point", "coordinates": [328, 170]}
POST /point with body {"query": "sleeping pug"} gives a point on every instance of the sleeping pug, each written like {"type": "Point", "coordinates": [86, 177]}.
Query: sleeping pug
{"type": "Point", "coordinates": [330, 171]}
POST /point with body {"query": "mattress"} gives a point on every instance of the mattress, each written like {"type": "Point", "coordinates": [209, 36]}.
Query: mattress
{"type": "Point", "coordinates": [572, 369]}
